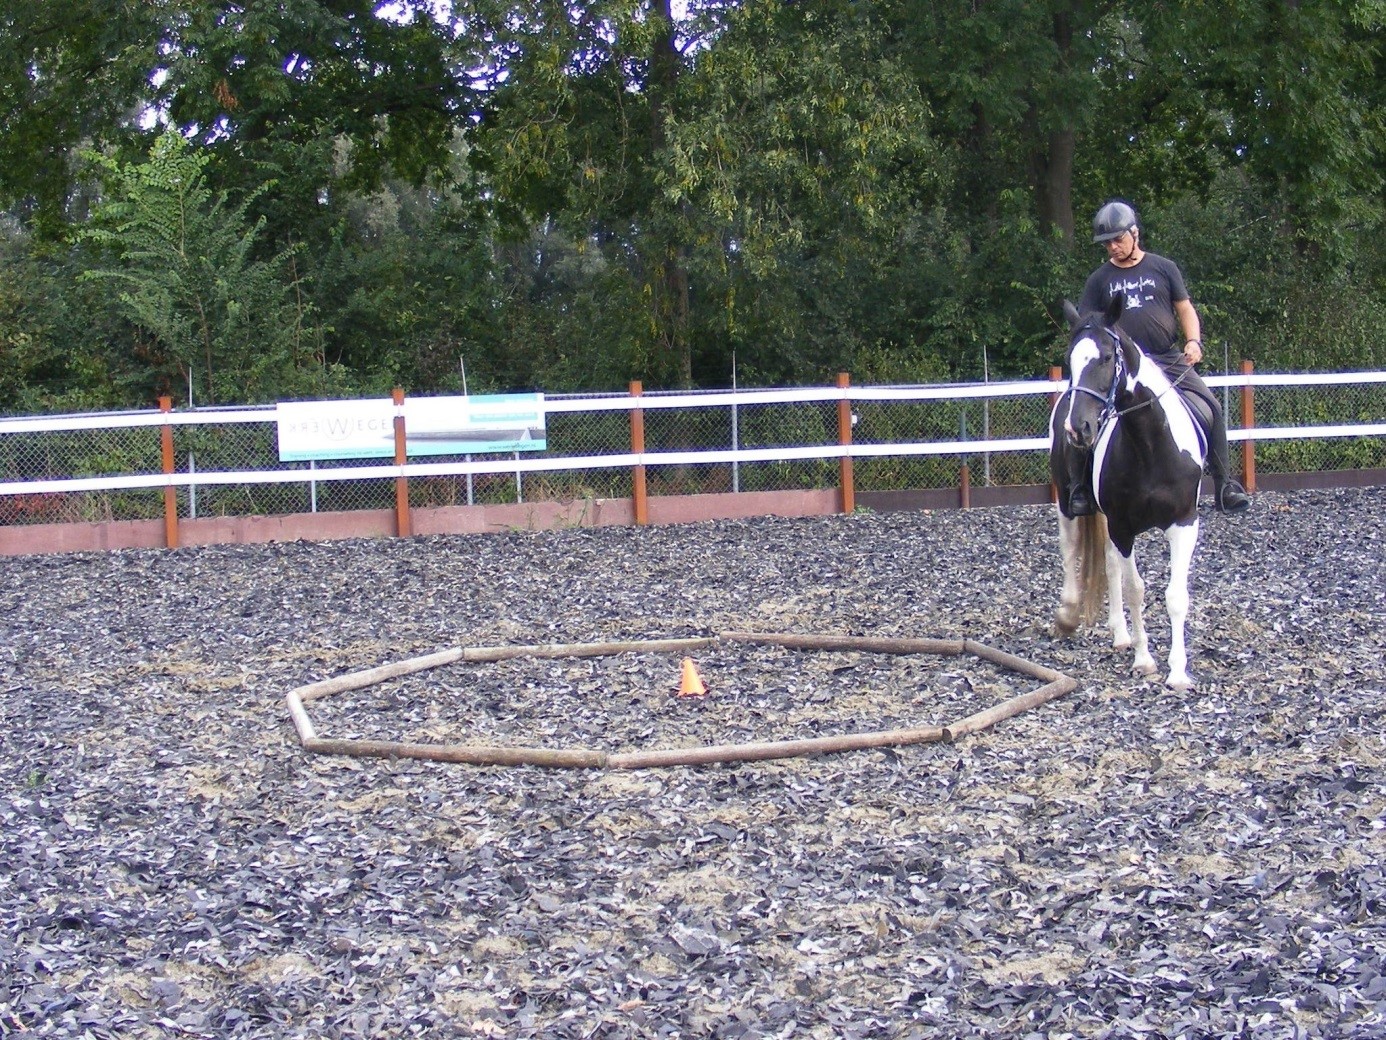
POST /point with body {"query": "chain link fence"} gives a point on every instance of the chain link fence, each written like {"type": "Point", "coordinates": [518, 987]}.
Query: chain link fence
{"type": "Point", "coordinates": [1299, 406]}
{"type": "Point", "coordinates": [246, 445]}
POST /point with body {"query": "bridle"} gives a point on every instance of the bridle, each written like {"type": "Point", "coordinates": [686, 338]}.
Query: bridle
{"type": "Point", "coordinates": [1109, 409]}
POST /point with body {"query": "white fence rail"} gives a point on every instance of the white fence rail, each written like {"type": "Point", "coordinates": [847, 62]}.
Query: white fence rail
{"type": "Point", "coordinates": [1359, 412]}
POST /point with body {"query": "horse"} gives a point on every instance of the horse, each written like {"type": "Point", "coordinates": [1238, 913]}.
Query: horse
{"type": "Point", "coordinates": [1147, 462]}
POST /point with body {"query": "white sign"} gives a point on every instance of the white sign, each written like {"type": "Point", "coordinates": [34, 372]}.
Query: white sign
{"type": "Point", "coordinates": [472, 425]}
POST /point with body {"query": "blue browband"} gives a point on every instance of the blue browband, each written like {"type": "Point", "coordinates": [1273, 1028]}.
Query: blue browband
{"type": "Point", "coordinates": [1108, 400]}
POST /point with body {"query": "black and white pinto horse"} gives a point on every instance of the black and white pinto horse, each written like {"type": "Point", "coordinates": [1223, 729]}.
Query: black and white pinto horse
{"type": "Point", "coordinates": [1147, 463]}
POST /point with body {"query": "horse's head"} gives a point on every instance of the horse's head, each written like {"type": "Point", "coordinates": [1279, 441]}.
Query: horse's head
{"type": "Point", "coordinates": [1099, 362]}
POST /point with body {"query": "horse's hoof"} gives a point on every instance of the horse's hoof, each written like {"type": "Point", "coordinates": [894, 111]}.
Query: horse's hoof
{"type": "Point", "coordinates": [1180, 683]}
{"type": "Point", "coordinates": [1122, 647]}
{"type": "Point", "coordinates": [1145, 668]}
{"type": "Point", "coordinates": [1065, 621]}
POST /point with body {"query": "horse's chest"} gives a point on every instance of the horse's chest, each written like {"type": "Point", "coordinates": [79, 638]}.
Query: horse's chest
{"type": "Point", "coordinates": [1150, 483]}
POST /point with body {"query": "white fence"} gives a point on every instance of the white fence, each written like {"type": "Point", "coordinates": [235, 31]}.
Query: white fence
{"type": "Point", "coordinates": [52, 455]}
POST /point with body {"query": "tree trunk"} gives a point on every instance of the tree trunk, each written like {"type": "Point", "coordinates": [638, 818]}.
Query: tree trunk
{"type": "Point", "coordinates": [1052, 170]}
{"type": "Point", "coordinates": [1051, 162]}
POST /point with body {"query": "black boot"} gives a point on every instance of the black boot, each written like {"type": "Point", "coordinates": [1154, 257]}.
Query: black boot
{"type": "Point", "coordinates": [1080, 500]}
{"type": "Point", "coordinates": [1232, 497]}
{"type": "Point", "coordinates": [1228, 495]}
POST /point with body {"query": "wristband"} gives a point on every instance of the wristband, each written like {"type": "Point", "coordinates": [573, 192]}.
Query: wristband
{"type": "Point", "coordinates": [1188, 341]}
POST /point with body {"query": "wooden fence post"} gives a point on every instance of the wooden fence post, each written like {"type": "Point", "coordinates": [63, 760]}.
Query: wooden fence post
{"type": "Point", "coordinates": [403, 525]}
{"type": "Point", "coordinates": [170, 492]}
{"type": "Point", "coordinates": [1249, 423]}
{"type": "Point", "coordinates": [639, 498]}
{"type": "Point", "coordinates": [846, 478]}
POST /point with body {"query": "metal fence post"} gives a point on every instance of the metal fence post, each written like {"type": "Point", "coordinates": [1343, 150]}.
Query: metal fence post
{"type": "Point", "coordinates": [1249, 423]}
{"type": "Point", "coordinates": [402, 524]}
{"type": "Point", "coordinates": [639, 498]}
{"type": "Point", "coordinates": [846, 480]}
{"type": "Point", "coordinates": [170, 492]}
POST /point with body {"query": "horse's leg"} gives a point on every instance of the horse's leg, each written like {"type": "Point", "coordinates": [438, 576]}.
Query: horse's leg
{"type": "Point", "coordinates": [1116, 610]}
{"type": "Point", "coordinates": [1182, 540]}
{"type": "Point", "coordinates": [1069, 614]}
{"type": "Point", "coordinates": [1126, 588]}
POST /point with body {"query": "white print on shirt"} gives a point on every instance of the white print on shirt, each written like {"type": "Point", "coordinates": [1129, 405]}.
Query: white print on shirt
{"type": "Point", "coordinates": [1131, 288]}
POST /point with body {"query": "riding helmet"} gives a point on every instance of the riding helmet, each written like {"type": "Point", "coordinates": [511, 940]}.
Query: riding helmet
{"type": "Point", "coordinates": [1112, 221]}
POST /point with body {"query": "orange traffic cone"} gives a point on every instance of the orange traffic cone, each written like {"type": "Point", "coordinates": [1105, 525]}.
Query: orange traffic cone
{"type": "Point", "coordinates": [691, 684]}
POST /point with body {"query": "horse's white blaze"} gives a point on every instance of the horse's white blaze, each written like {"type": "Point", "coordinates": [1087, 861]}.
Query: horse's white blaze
{"type": "Point", "coordinates": [1082, 354]}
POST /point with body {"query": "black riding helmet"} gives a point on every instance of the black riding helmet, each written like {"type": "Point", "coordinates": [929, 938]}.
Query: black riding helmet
{"type": "Point", "coordinates": [1112, 221]}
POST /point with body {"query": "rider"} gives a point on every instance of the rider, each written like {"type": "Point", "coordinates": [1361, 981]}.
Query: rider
{"type": "Point", "coordinates": [1158, 310]}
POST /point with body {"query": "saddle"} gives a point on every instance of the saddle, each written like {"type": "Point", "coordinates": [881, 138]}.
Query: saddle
{"type": "Point", "coordinates": [1200, 410]}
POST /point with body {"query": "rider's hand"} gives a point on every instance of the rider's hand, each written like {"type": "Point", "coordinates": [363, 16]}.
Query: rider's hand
{"type": "Point", "coordinates": [1193, 351]}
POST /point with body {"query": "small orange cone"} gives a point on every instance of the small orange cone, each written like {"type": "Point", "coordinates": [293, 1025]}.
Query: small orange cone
{"type": "Point", "coordinates": [691, 684]}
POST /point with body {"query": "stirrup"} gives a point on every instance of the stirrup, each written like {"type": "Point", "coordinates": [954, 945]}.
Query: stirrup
{"type": "Point", "coordinates": [1232, 498]}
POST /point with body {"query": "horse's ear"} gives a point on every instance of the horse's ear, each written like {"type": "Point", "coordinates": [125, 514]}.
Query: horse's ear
{"type": "Point", "coordinates": [1115, 306]}
{"type": "Point", "coordinates": [1071, 315]}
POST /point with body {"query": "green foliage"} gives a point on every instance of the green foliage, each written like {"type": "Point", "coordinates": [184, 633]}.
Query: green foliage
{"type": "Point", "coordinates": [571, 196]}
{"type": "Point", "coordinates": [186, 277]}
{"type": "Point", "coordinates": [70, 73]}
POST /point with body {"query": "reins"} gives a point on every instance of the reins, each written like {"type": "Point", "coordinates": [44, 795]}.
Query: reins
{"type": "Point", "coordinates": [1109, 409]}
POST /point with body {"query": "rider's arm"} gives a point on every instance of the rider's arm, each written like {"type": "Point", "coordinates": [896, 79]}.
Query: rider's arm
{"type": "Point", "coordinates": [1191, 328]}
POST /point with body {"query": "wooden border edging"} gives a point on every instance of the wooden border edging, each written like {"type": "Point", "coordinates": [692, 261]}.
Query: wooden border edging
{"type": "Point", "coordinates": [1006, 709]}
{"type": "Point", "coordinates": [761, 751]}
{"type": "Point", "coordinates": [1056, 685]}
{"type": "Point", "coordinates": [865, 644]}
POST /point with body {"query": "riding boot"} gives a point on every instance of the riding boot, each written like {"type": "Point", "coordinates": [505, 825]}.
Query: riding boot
{"type": "Point", "coordinates": [1080, 498]}
{"type": "Point", "coordinates": [1228, 494]}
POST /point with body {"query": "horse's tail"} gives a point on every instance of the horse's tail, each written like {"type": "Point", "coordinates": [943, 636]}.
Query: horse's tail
{"type": "Point", "coordinates": [1091, 557]}
{"type": "Point", "coordinates": [1092, 567]}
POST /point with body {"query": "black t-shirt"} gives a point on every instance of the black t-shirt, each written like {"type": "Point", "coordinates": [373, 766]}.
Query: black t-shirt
{"type": "Point", "coordinates": [1151, 287]}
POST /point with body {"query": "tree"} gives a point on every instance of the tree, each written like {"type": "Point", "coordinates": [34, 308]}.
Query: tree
{"type": "Point", "coordinates": [70, 74]}
{"type": "Point", "coordinates": [185, 276]}
{"type": "Point", "coordinates": [803, 159]}
{"type": "Point", "coordinates": [1013, 86]}
{"type": "Point", "coordinates": [251, 80]}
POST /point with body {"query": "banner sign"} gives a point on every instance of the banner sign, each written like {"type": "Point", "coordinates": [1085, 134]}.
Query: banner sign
{"type": "Point", "coordinates": [472, 425]}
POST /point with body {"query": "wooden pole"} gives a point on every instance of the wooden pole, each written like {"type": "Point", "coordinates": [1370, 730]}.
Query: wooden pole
{"type": "Point", "coordinates": [170, 492]}
{"type": "Point", "coordinates": [847, 492]}
{"type": "Point", "coordinates": [986, 719]}
{"type": "Point", "coordinates": [649, 646]}
{"type": "Point", "coordinates": [865, 644]}
{"type": "Point", "coordinates": [639, 497]}
{"type": "Point", "coordinates": [965, 490]}
{"type": "Point", "coordinates": [403, 528]}
{"type": "Point", "coordinates": [302, 722]}
{"type": "Point", "coordinates": [370, 676]}
{"type": "Point", "coordinates": [467, 754]}
{"type": "Point", "coordinates": [1248, 423]}
{"type": "Point", "coordinates": [762, 751]}
{"type": "Point", "coordinates": [1010, 661]}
